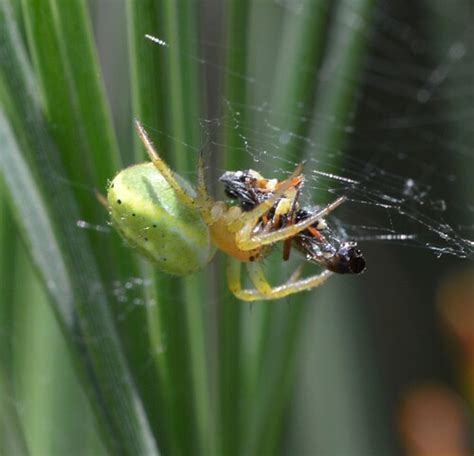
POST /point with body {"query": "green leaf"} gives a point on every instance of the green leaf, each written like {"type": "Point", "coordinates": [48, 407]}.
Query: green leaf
{"type": "Point", "coordinates": [46, 214]}
{"type": "Point", "coordinates": [165, 97]}
{"type": "Point", "coordinates": [12, 439]}
{"type": "Point", "coordinates": [336, 100]}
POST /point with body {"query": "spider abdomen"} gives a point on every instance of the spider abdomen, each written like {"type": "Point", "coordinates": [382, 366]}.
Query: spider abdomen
{"type": "Point", "coordinates": [146, 212]}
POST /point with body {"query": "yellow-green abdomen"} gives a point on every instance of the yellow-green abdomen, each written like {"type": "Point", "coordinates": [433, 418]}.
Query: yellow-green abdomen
{"type": "Point", "coordinates": [146, 212]}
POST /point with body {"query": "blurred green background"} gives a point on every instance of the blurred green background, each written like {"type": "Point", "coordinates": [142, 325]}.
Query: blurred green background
{"type": "Point", "coordinates": [102, 354]}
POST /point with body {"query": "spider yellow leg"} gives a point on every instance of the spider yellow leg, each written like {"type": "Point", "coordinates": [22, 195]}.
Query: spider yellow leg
{"type": "Point", "coordinates": [258, 278]}
{"type": "Point", "coordinates": [249, 219]}
{"type": "Point", "coordinates": [247, 241]}
{"type": "Point", "coordinates": [233, 282]}
{"type": "Point", "coordinates": [204, 201]}
{"type": "Point", "coordinates": [265, 291]}
{"type": "Point", "coordinates": [163, 168]}
{"type": "Point", "coordinates": [260, 282]}
{"type": "Point", "coordinates": [202, 188]}
{"type": "Point", "coordinates": [292, 287]}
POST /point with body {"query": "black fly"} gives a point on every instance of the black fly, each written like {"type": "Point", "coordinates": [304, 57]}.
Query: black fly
{"type": "Point", "coordinates": [249, 188]}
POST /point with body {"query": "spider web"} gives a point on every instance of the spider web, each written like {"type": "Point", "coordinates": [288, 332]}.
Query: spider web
{"type": "Point", "coordinates": [407, 148]}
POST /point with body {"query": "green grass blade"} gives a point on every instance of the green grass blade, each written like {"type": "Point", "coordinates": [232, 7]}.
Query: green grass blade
{"type": "Point", "coordinates": [62, 254]}
{"type": "Point", "coordinates": [335, 100]}
{"type": "Point", "coordinates": [147, 80]}
{"type": "Point", "coordinates": [230, 309]}
{"type": "Point", "coordinates": [185, 320]}
{"type": "Point", "coordinates": [12, 438]}
{"type": "Point", "coordinates": [60, 40]}
{"type": "Point", "coordinates": [32, 212]}
{"type": "Point", "coordinates": [66, 65]}
{"type": "Point", "coordinates": [64, 55]}
{"type": "Point", "coordinates": [235, 84]}
{"type": "Point", "coordinates": [183, 101]}
{"type": "Point", "coordinates": [301, 48]}
{"type": "Point", "coordinates": [103, 364]}
{"type": "Point", "coordinates": [8, 244]}
{"type": "Point", "coordinates": [165, 97]}
{"type": "Point", "coordinates": [46, 386]}
{"type": "Point", "coordinates": [342, 67]}
{"type": "Point", "coordinates": [147, 75]}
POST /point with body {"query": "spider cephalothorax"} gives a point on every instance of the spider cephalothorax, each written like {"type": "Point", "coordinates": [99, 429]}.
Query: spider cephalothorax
{"type": "Point", "coordinates": [267, 212]}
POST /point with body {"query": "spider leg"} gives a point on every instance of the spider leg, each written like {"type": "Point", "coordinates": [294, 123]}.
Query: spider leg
{"type": "Point", "coordinates": [233, 282]}
{"type": "Point", "coordinates": [102, 199]}
{"type": "Point", "coordinates": [163, 168]}
{"type": "Point", "coordinates": [204, 200]}
{"type": "Point", "coordinates": [202, 191]}
{"type": "Point", "coordinates": [263, 290]}
{"type": "Point", "coordinates": [258, 278]}
{"type": "Point", "coordinates": [247, 240]}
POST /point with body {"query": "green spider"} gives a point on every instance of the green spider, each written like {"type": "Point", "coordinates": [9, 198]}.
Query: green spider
{"type": "Point", "coordinates": [178, 228]}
